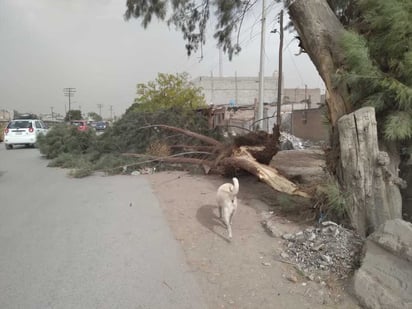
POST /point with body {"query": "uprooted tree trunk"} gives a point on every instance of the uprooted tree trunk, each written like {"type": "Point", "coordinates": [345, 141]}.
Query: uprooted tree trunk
{"type": "Point", "coordinates": [250, 153]}
{"type": "Point", "coordinates": [243, 159]}
{"type": "Point", "coordinates": [320, 33]}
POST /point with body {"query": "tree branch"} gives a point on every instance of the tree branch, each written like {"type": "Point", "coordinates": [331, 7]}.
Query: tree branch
{"type": "Point", "coordinates": [201, 137]}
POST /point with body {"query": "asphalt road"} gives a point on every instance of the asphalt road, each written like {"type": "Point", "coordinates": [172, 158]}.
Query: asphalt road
{"type": "Point", "coordinates": [97, 242]}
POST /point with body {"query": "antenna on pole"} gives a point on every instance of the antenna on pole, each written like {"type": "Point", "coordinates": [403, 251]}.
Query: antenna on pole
{"type": "Point", "coordinates": [69, 92]}
{"type": "Point", "coordinates": [278, 115]}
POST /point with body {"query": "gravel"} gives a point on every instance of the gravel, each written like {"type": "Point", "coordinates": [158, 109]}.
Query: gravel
{"type": "Point", "coordinates": [320, 251]}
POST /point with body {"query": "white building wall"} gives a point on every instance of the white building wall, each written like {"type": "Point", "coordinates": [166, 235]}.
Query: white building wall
{"type": "Point", "coordinates": [222, 90]}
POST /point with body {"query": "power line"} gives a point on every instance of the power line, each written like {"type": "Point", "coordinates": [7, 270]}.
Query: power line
{"type": "Point", "coordinates": [296, 67]}
{"type": "Point", "coordinates": [69, 92]}
{"type": "Point", "coordinates": [100, 109]}
{"type": "Point", "coordinates": [111, 112]}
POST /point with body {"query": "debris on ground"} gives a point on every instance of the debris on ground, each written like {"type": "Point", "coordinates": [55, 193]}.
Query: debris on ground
{"type": "Point", "coordinates": [321, 251]}
{"type": "Point", "coordinates": [289, 141]}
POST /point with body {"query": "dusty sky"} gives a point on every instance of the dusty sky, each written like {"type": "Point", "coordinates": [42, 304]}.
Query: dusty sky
{"type": "Point", "coordinates": [48, 45]}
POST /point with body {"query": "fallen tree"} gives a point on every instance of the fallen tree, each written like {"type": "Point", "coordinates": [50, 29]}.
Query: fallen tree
{"type": "Point", "coordinates": [250, 153]}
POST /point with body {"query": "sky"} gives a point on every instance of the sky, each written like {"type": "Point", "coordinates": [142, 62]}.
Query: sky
{"type": "Point", "coordinates": [48, 45]}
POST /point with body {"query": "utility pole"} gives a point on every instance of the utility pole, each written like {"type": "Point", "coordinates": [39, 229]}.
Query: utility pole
{"type": "Point", "coordinates": [212, 97]}
{"type": "Point", "coordinates": [100, 109]}
{"type": "Point", "coordinates": [111, 112]}
{"type": "Point", "coordinates": [220, 62]}
{"type": "Point", "coordinates": [278, 115]}
{"type": "Point", "coordinates": [69, 92]}
{"type": "Point", "coordinates": [261, 67]}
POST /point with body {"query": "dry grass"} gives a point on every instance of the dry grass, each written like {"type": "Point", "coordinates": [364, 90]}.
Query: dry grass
{"type": "Point", "coordinates": [158, 149]}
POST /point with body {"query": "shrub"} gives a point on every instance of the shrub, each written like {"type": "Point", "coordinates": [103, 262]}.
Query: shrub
{"type": "Point", "coordinates": [331, 201]}
{"type": "Point", "coordinates": [65, 139]}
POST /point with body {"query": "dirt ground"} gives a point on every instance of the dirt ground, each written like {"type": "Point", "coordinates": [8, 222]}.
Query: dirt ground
{"type": "Point", "coordinates": [245, 272]}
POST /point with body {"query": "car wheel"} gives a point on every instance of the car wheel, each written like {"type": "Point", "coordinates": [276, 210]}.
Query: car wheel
{"type": "Point", "coordinates": [8, 146]}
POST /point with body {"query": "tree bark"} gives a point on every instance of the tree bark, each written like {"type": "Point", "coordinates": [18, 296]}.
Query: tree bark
{"type": "Point", "coordinates": [320, 33]}
{"type": "Point", "coordinates": [242, 159]}
{"type": "Point", "coordinates": [372, 188]}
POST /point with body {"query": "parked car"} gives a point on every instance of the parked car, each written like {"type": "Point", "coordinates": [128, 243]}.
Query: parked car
{"type": "Point", "coordinates": [92, 124]}
{"type": "Point", "coordinates": [101, 126]}
{"type": "Point", "coordinates": [80, 124]}
{"type": "Point", "coordinates": [23, 132]}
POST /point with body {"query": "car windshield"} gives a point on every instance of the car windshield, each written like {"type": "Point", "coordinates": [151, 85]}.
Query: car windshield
{"type": "Point", "coordinates": [77, 123]}
{"type": "Point", "coordinates": [21, 124]}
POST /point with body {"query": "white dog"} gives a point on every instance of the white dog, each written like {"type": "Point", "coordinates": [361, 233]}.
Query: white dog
{"type": "Point", "coordinates": [227, 202]}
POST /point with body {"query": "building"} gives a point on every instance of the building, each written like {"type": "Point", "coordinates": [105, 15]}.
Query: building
{"type": "Point", "coordinates": [243, 91]}
{"type": "Point", "coordinates": [5, 115]}
{"type": "Point", "coordinates": [311, 96]}
{"type": "Point", "coordinates": [301, 107]}
{"type": "Point", "coordinates": [236, 90]}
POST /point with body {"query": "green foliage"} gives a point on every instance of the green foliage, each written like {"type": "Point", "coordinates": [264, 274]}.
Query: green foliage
{"type": "Point", "coordinates": [379, 64]}
{"type": "Point", "coordinates": [344, 10]}
{"type": "Point", "coordinates": [133, 132]}
{"type": "Point", "coordinates": [83, 168]}
{"type": "Point", "coordinates": [166, 92]}
{"type": "Point", "coordinates": [84, 152]}
{"type": "Point", "coordinates": [65, 160]}
{"type": "Point", "coordinates": [94, 116]}
{"type": "Point", "coordinates": [398, 126]}
{"type": "Point", "coordinates": [73, 114]}
{"type": "Point", "coordinates": [2, 127]}
{"type": "Point", "coordinates": [113, 163]}
{"type": "Point", "coordinates": [331, 201]}
{"type": "Point", "coordinates": [190, 17]}
{"type": "Point", "coordinates": [65, 139]}
{"type": "Point", "coordinates": [170, 100]}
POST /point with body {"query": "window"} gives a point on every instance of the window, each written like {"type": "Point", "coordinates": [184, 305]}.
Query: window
{"type": "Point", "coordinates": [20, 124]}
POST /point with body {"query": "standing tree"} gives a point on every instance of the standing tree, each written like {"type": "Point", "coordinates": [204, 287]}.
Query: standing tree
{"type": "Point", "coordinates": [94, 116]}
{"type": "Point", "coordinates": [168, 91]}
{"type": "Point", "coordinates": [73, 114]}
{"type": "Point", "coordinates": [363, 52]}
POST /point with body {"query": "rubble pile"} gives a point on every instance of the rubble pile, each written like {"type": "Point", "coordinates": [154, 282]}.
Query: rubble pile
{"type": "Point", "coordinates": [327, 249]}
{"type": "Point", "coordinates": [296, 142]}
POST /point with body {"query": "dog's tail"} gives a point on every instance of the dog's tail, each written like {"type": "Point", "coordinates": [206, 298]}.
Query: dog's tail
{"type": "Point", "coordinates": [235, 189]}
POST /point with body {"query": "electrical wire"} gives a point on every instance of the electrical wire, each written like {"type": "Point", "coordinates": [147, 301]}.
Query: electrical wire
{"type": "Point", "coordinates": [296, 67]}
